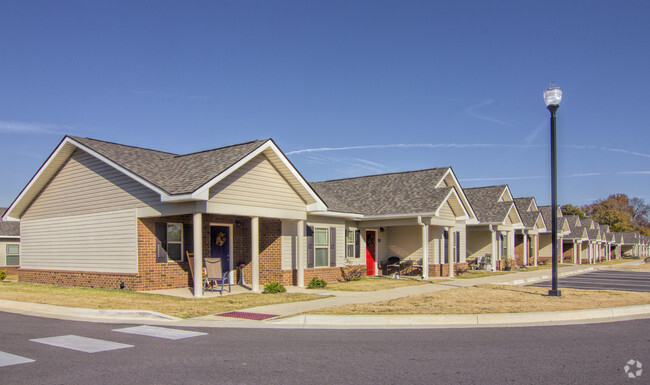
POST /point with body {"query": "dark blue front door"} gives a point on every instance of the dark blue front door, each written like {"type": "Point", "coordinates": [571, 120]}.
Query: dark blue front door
{"type": "Point", "coordinates": [220, 245]}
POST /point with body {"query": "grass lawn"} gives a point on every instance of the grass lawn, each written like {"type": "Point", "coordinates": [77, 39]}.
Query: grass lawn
{"type": "Point", "coordinates": [494, 299]}
{"type": "Point", "coordinates": [616, 261]}
{"type": "Point", "coordinates": [130, 300]}
{"type": "Point", "coordinates": [378, 283]}
{"type": "Point", "coordinates": [641, 267]}
{"type": "Point", "coordinates": [541, 267]}
{"type": "Point", "coordinates": [481, 273]}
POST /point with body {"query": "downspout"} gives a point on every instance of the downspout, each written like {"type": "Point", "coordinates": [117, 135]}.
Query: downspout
{"type": "Point", "coordinates": [425, 248]}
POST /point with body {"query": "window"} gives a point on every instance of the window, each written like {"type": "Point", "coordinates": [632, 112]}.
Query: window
{"type": "Point", "coordinates": [321, 247]}
{"type": "Point", "coordinates": [446, 246]}
{"type": "Point", "coordinates": [504, 245]}
{"type": "Point", "coordinates": [175, 241]}
{"type": "Point", "coordinates": [13, 257]}
{"type": "Point", "coordinates": [349, 244]}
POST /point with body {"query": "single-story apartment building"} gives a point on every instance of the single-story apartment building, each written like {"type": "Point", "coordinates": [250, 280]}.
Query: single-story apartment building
{"type": "Point", "coordinates": [9, 245]}
{"type": "Point", "coordinates": [102, 214]}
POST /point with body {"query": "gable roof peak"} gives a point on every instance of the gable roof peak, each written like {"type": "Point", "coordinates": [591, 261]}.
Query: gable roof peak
{"type": "Point", "coordinates": [387, 174]}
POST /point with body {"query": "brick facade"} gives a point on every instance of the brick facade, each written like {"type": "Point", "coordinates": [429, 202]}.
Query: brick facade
{"type": "Point", "coordinates": [10, 270]}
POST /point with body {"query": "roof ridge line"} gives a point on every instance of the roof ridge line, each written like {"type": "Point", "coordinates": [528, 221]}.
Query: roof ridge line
{"type": "Point", "coordinates": [382, 174]}
{"type": "Point", "coordinates": [121, 144]}
{"type": "Point", "coordinates": [221, 148]}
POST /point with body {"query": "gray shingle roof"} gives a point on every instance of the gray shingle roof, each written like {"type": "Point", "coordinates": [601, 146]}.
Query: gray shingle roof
{"type": "Point", "coordinates": [529, 218]}
{"type": "Point", "coordinates": [407, 192]}
{"type": "Point", "coordinates": [8, 229]}
{"type": "Point", "coordinates": [175, 174]}
{"type": "Point", "coordinates": [486, 205]}
{"type": "Point", "coordinates": [594, 234]}
{"type": "Point", "coordinates": [577, 232]}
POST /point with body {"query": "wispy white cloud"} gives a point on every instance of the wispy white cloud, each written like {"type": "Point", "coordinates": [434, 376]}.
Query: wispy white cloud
{"type": "Point", "coordinates": [634, 172]}
{"type": "Point", "coordinates": [533, 135]}
{"type": "Point", "coordinates": [16, 127]}
{"type": "Point", "coordinates": [409, 145]}
{"type": "Point", "coordinates": [582, 174]}
{"type": "Point", "coordinates": [503, 178]}
{"type": "Point", "coordinates": [610, 149]}
{"type": "Point", "coordinates": [347, 166]}
{"type": "Point", "coordinates": [170, 95]}
{"type": "Point", "coordinates": [473, 112]}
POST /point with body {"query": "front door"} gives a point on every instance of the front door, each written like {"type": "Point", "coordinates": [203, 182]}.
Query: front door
{"type": "Point", "coordinates": [220, 245]}
{"type": "Point", "coordinates": [370, 252]}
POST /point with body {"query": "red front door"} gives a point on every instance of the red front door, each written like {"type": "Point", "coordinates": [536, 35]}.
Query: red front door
{"type": "Point", "coordinates": [370, 252]}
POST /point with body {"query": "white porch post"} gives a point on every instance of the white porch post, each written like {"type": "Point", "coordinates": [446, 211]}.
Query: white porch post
{"type": "Point", "coordinates": [575, 251]}
{"type": "Point", "coordinates": [255, 253]}
{"type": "Point", "coordinates": [450, 251]}
{"type": "Point", "coordinates": [536, 247]}
{"type": "Point", "coordinates": [197, 227]}
{"type": "Point", "coordinates": [495, 255]}
{"type": "Point", "coordinates": [560, 251]}
{"type": "Point", "coordinates": [523, 232]}
{"type": "Point", "coordinates": [425, 251]}
{"type": "Point", "coordinates": [300, 253]}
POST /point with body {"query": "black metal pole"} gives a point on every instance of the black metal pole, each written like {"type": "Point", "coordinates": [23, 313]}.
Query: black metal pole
{"type": "Point", "coordinates": [554, 290]}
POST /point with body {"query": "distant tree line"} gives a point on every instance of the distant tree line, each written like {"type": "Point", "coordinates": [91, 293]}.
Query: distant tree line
{"type": "Point", "coordinates": [619, 211]}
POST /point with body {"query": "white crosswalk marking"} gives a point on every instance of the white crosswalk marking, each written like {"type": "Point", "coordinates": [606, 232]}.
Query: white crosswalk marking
{"type": "Point", "coordinates": [82, 344]}
{"type": "Point", "coordinates": [7, 359]}
{"type": "Point", "coordinates": [154, 331]}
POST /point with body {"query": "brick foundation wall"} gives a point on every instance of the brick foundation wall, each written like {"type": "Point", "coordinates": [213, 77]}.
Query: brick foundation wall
{"type": "Point", "coordinates": [11, 270]}
{"type": "Point", "coordinates": [79, 278]}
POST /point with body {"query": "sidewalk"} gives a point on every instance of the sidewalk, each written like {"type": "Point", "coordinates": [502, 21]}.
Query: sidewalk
{"type": "Point", "coordinates": [348, 297]}
{"type": "Point", "coordinates": [289, 315]}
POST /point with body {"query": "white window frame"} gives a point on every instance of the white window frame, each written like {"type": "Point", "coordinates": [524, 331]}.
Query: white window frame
{"type": "Point", "coordinates": [169, 259]}
{"type": "Point", "coordinates": [349, 244]}
{"type": "Point", "coordinates": [10, 254]}
{"type": "Point", "coordinates": [326, 247]}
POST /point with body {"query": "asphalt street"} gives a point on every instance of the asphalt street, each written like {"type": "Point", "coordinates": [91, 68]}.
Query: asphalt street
{"type": "Point", "coordinates": [604, 280]}
{"type": "Point", "coordinates": [590, 353]}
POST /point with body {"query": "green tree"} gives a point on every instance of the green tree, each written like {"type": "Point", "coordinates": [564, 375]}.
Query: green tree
{"type": "Point", "coordinates": [569, 209]}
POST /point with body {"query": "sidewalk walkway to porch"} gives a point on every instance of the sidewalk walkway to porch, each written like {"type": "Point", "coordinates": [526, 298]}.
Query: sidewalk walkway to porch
{"type": "Point", "coordinates": [346, 297]}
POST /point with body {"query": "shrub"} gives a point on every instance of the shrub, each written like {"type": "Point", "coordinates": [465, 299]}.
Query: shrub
{"type": "Point", "coordinates": [317, 283]}
{"type": "Point", "coordinates": [3, 275]}
{"type": "Point", "coordinates": [352, 272]}
{"type": "Point", "coordinates": [274, 287]}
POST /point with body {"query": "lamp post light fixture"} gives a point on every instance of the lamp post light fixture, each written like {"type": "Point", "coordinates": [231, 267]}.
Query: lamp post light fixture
{"type": "Point", "coordinates": [552, 98]}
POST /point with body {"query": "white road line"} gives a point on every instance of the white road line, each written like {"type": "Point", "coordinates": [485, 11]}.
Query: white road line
{"type": "Point", "coordinates": [158, 332]}
{"type": "Point", "coordinates": [82, 344]}
{"type": "Point", "coordinates": [7, 359]}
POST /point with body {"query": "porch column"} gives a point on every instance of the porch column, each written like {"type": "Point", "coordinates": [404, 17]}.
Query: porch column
{"type": "Point", "coordinates": [425, 251]}
{"type": "Point", "coordinates": [575, 251]}
{"type": "Point", "coordinates": [450, 251]}
{"type": "Point", "coordinates": [300, 254]}
{"type": "Point", "coordinates": [255, 253]}
{"type": "Point", "coordinates": [523, 232]}
{"type": "Point", "coordinates": [197, 227]}
{"type": "Point", "coordinates": [495, 255]}
{"type": "Point", "coordinates": [560, 252]}
{"type": "Point", "coordinates": [536, 247]}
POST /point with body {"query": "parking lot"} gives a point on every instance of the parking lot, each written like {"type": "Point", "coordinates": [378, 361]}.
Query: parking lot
{"type": "Point", "coordinates": [604, 280]}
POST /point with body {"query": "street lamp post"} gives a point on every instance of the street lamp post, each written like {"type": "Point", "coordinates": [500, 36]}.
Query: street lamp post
{"type": "Point", "coordinates": [552, 98]}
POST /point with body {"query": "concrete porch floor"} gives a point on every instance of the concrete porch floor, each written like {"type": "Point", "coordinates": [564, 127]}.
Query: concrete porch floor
{"type": "Point", "coordinates": [188, 292]}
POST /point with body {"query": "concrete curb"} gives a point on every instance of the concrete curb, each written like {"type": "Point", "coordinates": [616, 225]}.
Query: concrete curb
{"type": "Point", "coordinates": [465, 320]}
{"type": "Point", "coordinates": [81, 313]}
{"type": "Point", "coordinates": [548, 276]}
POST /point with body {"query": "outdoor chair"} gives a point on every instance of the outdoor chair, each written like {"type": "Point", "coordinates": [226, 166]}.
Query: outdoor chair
{"type": "Point", "coordinates": [393, 262]}
{"type": "Point", "coordinates": [485, 261]}
{"type": "Point", "coordinates": [190, 262]}
{"type": "Point", "coordinates": [214, 273]}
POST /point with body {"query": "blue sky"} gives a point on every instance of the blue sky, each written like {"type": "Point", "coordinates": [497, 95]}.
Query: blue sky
{"type": "Point", "coordinates": [345, 88]}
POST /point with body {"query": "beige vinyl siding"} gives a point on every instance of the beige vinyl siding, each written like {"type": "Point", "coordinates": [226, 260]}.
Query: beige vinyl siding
{"type": "Point", "coordinates": [405, 242]}
{"type": "Point", "coordinates": [86, 185]}
{"type": "Point", "coordinates": [478, 243]}
{"type": "Point", "coordinates": [257, 184]}
{"type": "Point", "coordinates": [446, 212]}
{"type": "Point", "coordinates": [102, 242]}
{"type": "Point", "coordinates": [3, 249]}
{"type": "Point", "coordinates": [545, 246]}
{"type": "Point", "coordinates": [289, 246]}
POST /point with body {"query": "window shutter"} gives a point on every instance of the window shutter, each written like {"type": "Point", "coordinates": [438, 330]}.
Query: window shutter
{"type": "Point", "coordinates": [457, 243]}
{"type": "Point", "coordinates": [357, 244]}
{"type": "Point", "coordinates": [161, 242]}
{"type": "Point", "coordinates": [332, 246]}
{"type": "Point", "coordinates": [310, 246]}
{"type": "Point", "coordinates": [188, 239]}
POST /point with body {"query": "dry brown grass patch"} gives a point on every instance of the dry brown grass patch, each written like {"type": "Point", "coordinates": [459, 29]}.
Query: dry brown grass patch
{"type": "Point", "coordinates": [640, 267]}
{"type": "Point", "coordinates": [495, 299]}
{"type": "Point", "coordinates": [379, 283]}
{"type": "Point", "coordinates": [130, 300]}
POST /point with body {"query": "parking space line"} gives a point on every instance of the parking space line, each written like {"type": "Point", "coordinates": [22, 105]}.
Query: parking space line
{"type": "Point", "coordinates": [8, 359]}
{"type": "Point", "coordinates": [82, 344]}
{"type": "Point", "coordinates": [158, 332]}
